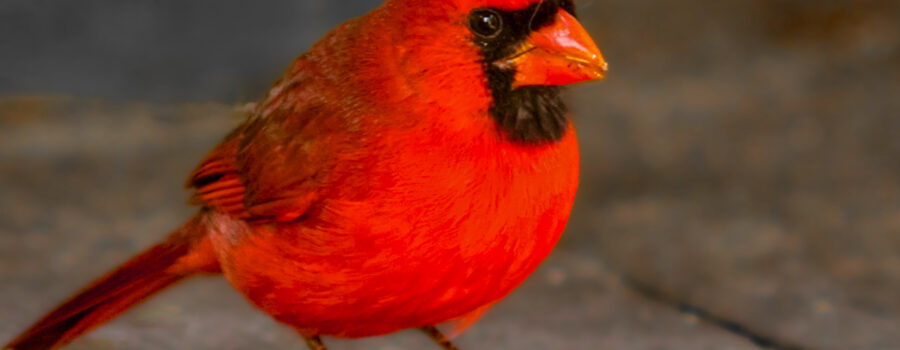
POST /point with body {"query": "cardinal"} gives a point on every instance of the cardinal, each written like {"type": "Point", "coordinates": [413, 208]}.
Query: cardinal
{"type": "Point", "coordinates": [409, 170]}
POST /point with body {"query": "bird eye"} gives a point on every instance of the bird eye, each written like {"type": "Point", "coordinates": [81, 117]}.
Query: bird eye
{"type": "Point", "coordinates": [486, 23]}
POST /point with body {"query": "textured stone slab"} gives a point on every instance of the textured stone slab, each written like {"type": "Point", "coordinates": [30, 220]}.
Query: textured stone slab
{"type": "Point", "coordinates": [85, 184]}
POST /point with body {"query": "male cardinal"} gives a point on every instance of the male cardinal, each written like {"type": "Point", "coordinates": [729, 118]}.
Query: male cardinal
{"type": "Point", "coordinates": [410, 169]}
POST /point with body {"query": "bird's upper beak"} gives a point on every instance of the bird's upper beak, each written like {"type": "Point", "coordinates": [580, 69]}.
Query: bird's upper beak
{"type": "Point", "coordinates": [558, 54]}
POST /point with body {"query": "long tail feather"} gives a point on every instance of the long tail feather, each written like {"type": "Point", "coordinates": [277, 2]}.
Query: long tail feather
{"type": "Point", "coordinates": [115, 292]}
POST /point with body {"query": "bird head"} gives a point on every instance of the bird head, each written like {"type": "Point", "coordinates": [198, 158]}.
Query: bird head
{"type": "Point", "coordinates": [516, 53]}
{"type": "Point", "coordinates": [540, 42]}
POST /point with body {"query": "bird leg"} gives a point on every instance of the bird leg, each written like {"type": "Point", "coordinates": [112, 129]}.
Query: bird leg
{"type": "Point", "coordinates": [315, 343]}
{"type": "Point", "coordinates": [439, 338]}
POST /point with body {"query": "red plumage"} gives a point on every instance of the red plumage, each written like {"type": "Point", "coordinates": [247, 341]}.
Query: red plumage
{"type": "Point", "coordinates": [370, 191]}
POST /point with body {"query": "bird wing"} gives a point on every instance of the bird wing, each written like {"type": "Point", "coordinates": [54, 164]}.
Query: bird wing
{"type": "Point", "coordinates": [272, 167]}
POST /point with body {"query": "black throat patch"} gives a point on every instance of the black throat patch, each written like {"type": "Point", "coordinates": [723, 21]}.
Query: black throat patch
{"type": "Point", "coordinates": [530, 114]}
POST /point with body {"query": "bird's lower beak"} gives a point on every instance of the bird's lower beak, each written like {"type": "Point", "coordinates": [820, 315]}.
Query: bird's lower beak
{"type": "Point", "coordinates": [558, 54]}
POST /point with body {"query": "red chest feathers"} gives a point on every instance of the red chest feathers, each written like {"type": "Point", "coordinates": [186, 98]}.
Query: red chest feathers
{"type": "Point", "coordinates": [399, 248]}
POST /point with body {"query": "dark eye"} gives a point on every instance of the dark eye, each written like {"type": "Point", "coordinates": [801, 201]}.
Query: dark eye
{"type": "Point", "coordinates": [486, 23]}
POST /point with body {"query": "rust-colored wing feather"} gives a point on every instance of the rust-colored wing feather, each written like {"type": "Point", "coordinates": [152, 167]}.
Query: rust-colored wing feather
{"type": "Point", "coordinates": [215, 181]}
{"type": "Point", "coordinates": [274, 165]}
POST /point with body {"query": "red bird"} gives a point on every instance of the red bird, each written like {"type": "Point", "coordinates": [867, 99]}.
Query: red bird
{"type": "Point", "coordinates": [410, 169]}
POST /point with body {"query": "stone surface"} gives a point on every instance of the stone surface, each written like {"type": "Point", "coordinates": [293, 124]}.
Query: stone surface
{"type": "Point", "coordinates": [84, 188]}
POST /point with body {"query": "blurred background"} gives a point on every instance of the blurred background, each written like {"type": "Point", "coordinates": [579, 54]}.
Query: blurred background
{"type": "Point", "coordinates": [740, 186]}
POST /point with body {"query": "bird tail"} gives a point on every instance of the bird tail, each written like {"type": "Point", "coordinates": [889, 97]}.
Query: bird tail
{"type": "Point", "coordinates": [186, 252]}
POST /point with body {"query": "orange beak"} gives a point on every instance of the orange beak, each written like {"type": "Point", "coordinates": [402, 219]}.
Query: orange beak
{"type": "Point", "coordinates": [559, 54]}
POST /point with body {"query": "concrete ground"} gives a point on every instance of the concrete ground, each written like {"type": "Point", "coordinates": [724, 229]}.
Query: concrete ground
{"type": "Point", "coordinates": [741, 182]}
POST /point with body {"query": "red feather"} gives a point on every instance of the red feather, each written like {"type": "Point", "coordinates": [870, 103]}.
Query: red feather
{"type": "Point", "coordinates": [371, 190]}
{"type": "Point", "coordinates": [185, 253]}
